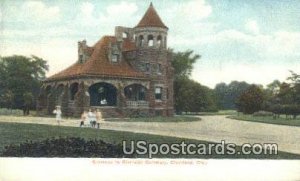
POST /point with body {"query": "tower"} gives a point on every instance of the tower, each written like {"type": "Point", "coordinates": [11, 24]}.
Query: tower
{"type": "Point", "coordinates": [154, 59]}
{"type": "Point", "coordinates": [151, 32]}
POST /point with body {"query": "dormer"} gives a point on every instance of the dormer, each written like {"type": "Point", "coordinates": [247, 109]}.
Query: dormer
{"type": "Point", "coordinates": [115, 52]}
{"type": "Point", "coordinates": [84, 52]}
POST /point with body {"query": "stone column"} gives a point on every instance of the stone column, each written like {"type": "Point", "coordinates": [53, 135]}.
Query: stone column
{"type": "Point", "coordinates": [51, 102]}
{"type": "Point", "coordinates": [82, 99]}
{"type": "Point", "coordinates": [65, 100]}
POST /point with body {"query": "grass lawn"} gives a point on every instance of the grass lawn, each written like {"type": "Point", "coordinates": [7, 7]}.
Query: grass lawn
{"type": "Point", "coordinates": [15, 133]}
{"type": "Point", "coordinates": [220, 112]}
{"type": "Point", "coordinates": [157, 119]}
{"type": "Point", "coordinates": [267, 119]}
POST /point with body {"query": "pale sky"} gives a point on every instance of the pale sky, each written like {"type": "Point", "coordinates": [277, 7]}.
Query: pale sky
{"type": "Point", "coordinates": [254, 41]}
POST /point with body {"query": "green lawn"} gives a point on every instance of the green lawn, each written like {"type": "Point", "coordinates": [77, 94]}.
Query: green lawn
{"type": "Point", "coordinates": [220, 112]}
{"type": "Point", "coordinates": [15, 133]}
{"type": "Point", "coordinates": [157, 119]}
{"type": "Point", "coordinates": [267, 119]}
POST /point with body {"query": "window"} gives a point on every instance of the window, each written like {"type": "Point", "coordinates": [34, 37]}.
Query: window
{"type": "Point", "coordinates": [159, 41]}
{"type": "Point", "coordinates": [150, 41]}
{"type": "Point", "coordinates": [147, 67]}
{"type": "Point", "coordinates": [115, 58]}
{"type": "Point", "coordinates": [141, 40]}
{"type": "Point", "coordinates": [158, 93]}
{"type": "Point", "coordinates": [159, 70]}
{"type": "Point", "coordinates": [80, 58]}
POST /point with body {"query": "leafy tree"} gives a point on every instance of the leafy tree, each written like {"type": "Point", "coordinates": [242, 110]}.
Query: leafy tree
{"type": "Point", "coordinates": [251, 100]}
{"type": "Point", "coordinates": [190, 96]}
{"type": "Point", "coordinates": [227, 94]}
{"type": "Point", "coordinates": [183, 63]}
{"type": "Point", "coordinates": [21, 76]}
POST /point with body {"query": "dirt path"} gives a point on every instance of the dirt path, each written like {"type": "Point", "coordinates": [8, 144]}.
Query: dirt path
{"type": "Point", "coordinates": [210, 128]}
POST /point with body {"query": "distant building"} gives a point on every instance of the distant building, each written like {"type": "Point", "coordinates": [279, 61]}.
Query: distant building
{"type": "Point", "coordinates": [129, 74]}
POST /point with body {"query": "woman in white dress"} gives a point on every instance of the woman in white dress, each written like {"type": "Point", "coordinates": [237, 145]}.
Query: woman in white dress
{"type": "Point", "coordinates": [57, 112]}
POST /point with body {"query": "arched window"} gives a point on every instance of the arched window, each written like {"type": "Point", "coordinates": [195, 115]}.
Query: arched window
{"type": "Point", "coordinates": [135, 92]}
{"type": "Point", "coordinates": [150, 40]}
{"type": "Point", "coordinates": [141, 40]}
{"type": "Point", "coordinates": [159, 41]}
{"type": "Point", "coordinates": [73, 90]}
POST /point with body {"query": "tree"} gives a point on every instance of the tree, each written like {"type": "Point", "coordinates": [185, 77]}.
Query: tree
{"type": "Point", "coordinates": [21, 76]}
{"type": "Point", "coordinates": [251, 100]}
{"type": "Point", "coordinates": [183, 63]}
{"type": "Point", "coordinates": [190, 96]}
{"type": "Point", "coordinates": [227, 94]}
{"type": "Point", "coordinates": [193, 97]}
{"type": "Point", "coordinates": [28, 100]}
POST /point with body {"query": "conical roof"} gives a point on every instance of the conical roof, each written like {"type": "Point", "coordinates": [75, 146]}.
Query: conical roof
{"type": "Point", "coordinates": [151, 19]}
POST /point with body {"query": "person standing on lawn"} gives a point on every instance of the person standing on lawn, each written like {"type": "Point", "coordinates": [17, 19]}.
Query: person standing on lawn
{"type": "Point", "coordinates": [57, 112]}
{"type": "Point", "coordinates": [83, 118]}
{"type": "Point", "coordinates": [99, 118]}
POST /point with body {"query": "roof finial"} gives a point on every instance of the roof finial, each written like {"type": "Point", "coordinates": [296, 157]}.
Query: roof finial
{"type": "Point", "coordinates": [151, 3]}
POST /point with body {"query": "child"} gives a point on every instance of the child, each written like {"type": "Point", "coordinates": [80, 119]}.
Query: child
{"type": "Point", "coordinates": [98, 117]}
{"type": "Point", "coordinates": [83, 118]}
{"type": "Point", "coordinates": [57, 111]}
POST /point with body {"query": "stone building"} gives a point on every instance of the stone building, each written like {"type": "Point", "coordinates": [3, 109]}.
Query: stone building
{"type": "Point", "coordinates": [128, 74]}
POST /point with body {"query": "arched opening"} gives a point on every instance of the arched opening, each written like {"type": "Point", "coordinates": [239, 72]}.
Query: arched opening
{"type": "Point", "coordinates": [48, 90]}
{"type": "Point", "coordinates": [141, 40]}
{"type": "Point", "coordinates": [125, 35]}
{"type": "Point", "coordinates": [150, 40]}
{"type": "Point", "coordinates": [135, 92]}
{"type": "Point", "coordinates": [73, 90]}
{"type": "Point", "coordinates": [103, 94]}
{"type": "Point", "coordinates": [159, 41]}
{"type": "Point", "coordinates": [59, 90]}
{"type": "Point", "coordinates": [59, 94]}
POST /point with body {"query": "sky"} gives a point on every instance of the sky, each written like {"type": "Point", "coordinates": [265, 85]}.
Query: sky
{"type": "Point", "coordinates": [254, 41]}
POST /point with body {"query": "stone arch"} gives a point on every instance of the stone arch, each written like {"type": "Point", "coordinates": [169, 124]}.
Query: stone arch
{"type": "Point", "coordinates": [59, 94]}
{"type": "Point", "coordinates": [48, 90]}
{"type": "Point", "coordinates": [135, 92]}
{"type": "Point", "coordinates": [73, 90]}
{"type": "Point", "coordinates": [103, 94]}
{"type": "Point", "coordinates": [150, 40]}
{"type": "Point", "coordinates": [141, 40]}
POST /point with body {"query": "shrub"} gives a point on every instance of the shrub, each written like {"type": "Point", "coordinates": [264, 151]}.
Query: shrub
{"type": "Point", "coordinates": [15, 112]}
{"type": "Point", "coordinates": [65, 147]}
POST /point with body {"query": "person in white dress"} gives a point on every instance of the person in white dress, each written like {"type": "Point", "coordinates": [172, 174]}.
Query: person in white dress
{"type": "Point", "coordinates": [99, 118]}
{"type": "Point", "coordinates": [57, 113]}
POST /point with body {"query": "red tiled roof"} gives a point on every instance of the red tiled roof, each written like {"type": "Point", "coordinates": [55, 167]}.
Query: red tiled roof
{"type": "Point", "coordinates": [99, 65]}
{"type": "Point", "coordinates": [151, 19]}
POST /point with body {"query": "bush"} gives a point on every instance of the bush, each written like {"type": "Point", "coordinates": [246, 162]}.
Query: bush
{"type": "Point", "coordinates": [15, 112]}
{"type": "Point", "coordinates": [263, 113]}
{"type": "Point", "coordinates": [65, 147]}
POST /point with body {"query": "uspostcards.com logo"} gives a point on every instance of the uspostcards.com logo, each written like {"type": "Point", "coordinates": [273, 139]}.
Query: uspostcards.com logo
{"type": "Point", "coordinates": [142, 147]}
